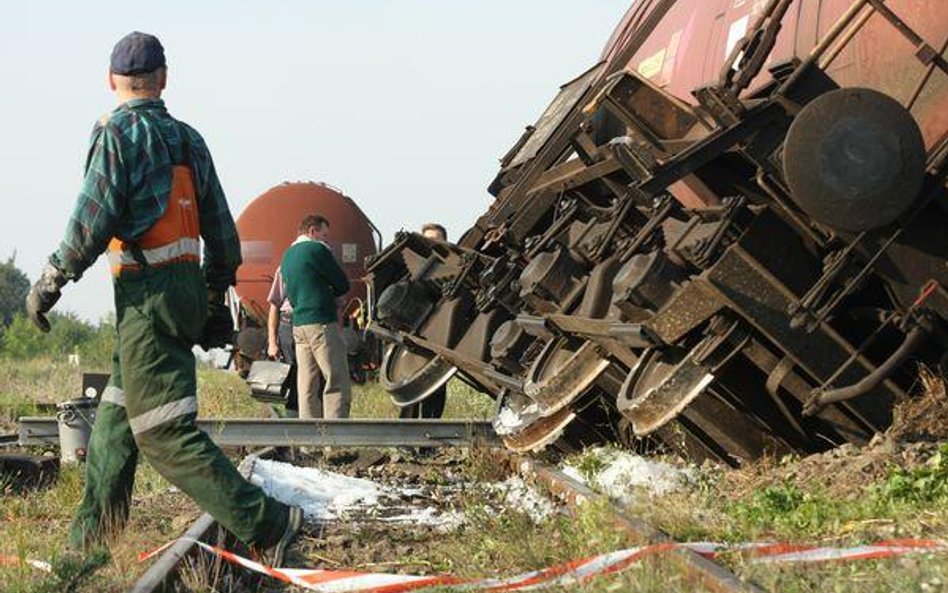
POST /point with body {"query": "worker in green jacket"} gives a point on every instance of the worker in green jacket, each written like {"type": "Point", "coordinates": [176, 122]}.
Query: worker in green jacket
{"type": "Point", "coordinates": [149, 195]}
{"type": "Point", "coordinates": [313, 281]}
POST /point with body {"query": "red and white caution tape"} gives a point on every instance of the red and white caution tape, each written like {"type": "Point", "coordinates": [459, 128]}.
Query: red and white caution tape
{"type": "Point", "coordinates": [16, 561]}
{"type": "Point", "coordinates": [886, 549]}
{"type": "Point", "coordinates": [577, 571]}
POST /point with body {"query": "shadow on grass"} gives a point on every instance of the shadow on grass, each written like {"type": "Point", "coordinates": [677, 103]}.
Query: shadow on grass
{"type": "Point", "coordinates": [71, 570]}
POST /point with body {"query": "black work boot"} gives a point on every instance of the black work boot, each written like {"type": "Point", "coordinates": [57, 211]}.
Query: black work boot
{"type": "Point", "coordinates": [273, 557]}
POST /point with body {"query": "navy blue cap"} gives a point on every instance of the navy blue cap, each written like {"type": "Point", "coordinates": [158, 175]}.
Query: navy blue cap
{"type": "Point", "coordinates": [137, 53]}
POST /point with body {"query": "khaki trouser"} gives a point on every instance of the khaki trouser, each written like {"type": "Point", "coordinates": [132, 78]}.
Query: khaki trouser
{"type": "Point", "coordinates": [319, 348]}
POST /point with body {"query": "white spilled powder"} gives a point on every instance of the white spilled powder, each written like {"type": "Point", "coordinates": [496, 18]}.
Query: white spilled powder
{"type": "Point", "coordinates": [622, 475]}
{"type": "Point", "coordinates": [508, 421]}
{"type": "Point", "coordinates": [322, 494]}
{"type": "Point", "coordinates": [522, 497]}
{"type": "Point", "coordinates": [444, 521]}
{"type": "Point", "coordinates": [574, 473]}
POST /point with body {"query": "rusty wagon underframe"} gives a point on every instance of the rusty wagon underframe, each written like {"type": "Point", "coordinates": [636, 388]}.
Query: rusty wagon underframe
{"type": "Point", "coordinates": [594, 305]}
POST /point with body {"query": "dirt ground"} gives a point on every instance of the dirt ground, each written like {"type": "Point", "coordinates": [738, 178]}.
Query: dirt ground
{"type": "Point", "coordinates": [371, 543]}
{"type": "Point", "coordinates": [448, 484]}
{"type": "Point", "coordinates": [918, 426]}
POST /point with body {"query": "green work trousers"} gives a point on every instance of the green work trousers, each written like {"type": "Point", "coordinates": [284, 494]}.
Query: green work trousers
{"type": "Point", "coordinates": [150, 405]}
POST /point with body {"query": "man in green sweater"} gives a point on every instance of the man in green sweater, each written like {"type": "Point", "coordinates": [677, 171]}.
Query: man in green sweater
{"type": "Point", "coordinates": [313, 281]}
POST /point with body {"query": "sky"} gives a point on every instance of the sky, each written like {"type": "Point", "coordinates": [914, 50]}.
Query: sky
{"type": "Point", "coordinates": [406, 105]}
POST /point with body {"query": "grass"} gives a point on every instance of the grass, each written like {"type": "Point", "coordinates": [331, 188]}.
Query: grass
{"type": "Point", "coordinates": [905, 502]}
{"type": "Point", "coordinates": [509, 542]}
{"type": "Point", "coordinates": [908, 503]}
{"type": "Point", "coordinates": [371, 401]}
{"type": "Point", "coordinates": [34, 525]}
{"type": "Point", "coordinates": [494, 540]}
{"type": "Point", "coordinates": [24, 384]}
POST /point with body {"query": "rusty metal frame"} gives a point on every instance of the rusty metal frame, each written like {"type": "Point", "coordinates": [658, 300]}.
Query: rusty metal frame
{"type": "Point", "coordinates": [613, 204]}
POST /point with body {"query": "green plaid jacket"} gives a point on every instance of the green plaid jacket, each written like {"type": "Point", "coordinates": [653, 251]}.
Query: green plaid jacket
{"type": "Point", "coordinates": [126, 186]}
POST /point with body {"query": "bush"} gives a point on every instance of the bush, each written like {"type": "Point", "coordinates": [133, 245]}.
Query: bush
{"type": "Point", "coordinates": [22, 340]}
{"type": "Point", "coordinates": [97, 350]}
{"type": "Point", "coordinates": [68, 335]}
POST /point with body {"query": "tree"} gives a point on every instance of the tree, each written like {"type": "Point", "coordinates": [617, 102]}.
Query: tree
{"type": "Point", "coordinates": [14, 285]}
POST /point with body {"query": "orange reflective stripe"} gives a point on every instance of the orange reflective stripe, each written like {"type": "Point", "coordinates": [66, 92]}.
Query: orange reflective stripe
{"type": "Point", "coordinates": [176, 235]}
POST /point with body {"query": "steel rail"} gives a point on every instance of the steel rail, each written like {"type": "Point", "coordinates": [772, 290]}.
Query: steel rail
{"type": "Point", "coordinates": [289, 432]}
{"type": "Point", "coordinates": [159, 575]}
{"type": "Point", "coordinates": [700, 570]}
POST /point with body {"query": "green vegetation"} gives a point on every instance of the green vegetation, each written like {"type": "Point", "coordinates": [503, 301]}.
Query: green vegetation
{"type": "Point", "coordinates": [26, 383]}
{"type": "Point", "coordinates": [506, 542]}
{"type": "Point", "coordinates": [790, 512]}
{"type": "Point", "coordinates": [590, 463]}
{"type": "Point", "coordinates": [906, 503]}
{"type": "Point", "coordinates": [509, 542]}
{"type": "Point", "coordinates": [68, 335]}
{"type": "Point", "coordinates": [924, 484]}
{"type": "Point", "coordinates": [34, 525]}
{"type": "Point", "coordinates": [767, 501]}
{"type": "Point", "coordinates": [894, 507]}
{"type": "Point", "coordinates": [14, 286]}
{"type": "Point", "coordinates": [371, 401]}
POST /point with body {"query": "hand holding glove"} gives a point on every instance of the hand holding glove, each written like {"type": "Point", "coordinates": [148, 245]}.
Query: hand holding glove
{"type": "Point", "coordinates": [44, 295]}
{"type": "Point", "coordinates": [219, 327]}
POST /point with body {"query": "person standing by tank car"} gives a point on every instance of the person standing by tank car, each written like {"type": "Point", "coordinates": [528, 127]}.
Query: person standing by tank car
{"type": "Point", "coordinates": [313, 281]}
{"type": "Point", "coordinates": [280, 342]}
{"type": "Point", "coordinates": [149, 195]}
{"type": "Point", "coordinates": [433, 405]}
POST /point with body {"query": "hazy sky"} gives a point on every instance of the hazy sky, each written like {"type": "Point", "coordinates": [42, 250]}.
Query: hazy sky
{"type": "Point", "coordinates": [405, 105]}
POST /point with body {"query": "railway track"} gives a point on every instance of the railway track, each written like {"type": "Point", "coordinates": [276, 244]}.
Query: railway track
{"type": "Point", "coordinates": [296, 432]}
{"type": "Point", "coordinates": [702, 572]}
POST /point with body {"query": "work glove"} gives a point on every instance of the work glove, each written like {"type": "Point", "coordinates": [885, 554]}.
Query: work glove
{"type": "Point", "coordinates": [219, 326]}
{"type": "Point", "coordinates": [44, 295]}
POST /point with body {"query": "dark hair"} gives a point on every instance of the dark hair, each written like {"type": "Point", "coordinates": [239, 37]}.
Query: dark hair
{"type": "Point", "coordinates": [312, 220]}
{"type": "Point", "coordinates": [433, 226]}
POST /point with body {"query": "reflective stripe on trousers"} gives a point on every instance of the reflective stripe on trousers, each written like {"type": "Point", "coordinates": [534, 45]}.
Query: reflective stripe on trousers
{"type": "Point", "coordinates": [161, 414]}
{"type": "Point", "coordinates": [152, 418]}
{"type": "Point", "coordinates": [114, 395]}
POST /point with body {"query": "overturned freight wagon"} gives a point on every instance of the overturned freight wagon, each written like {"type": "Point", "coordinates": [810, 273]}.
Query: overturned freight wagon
{"type": "Point", "coordinates": [727, 237]}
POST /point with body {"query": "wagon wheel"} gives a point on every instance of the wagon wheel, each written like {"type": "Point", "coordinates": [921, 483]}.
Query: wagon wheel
{"type": "Point", "coordinates": [563, 374]}
{"type": "Point", "coordinates": [410, 376]}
